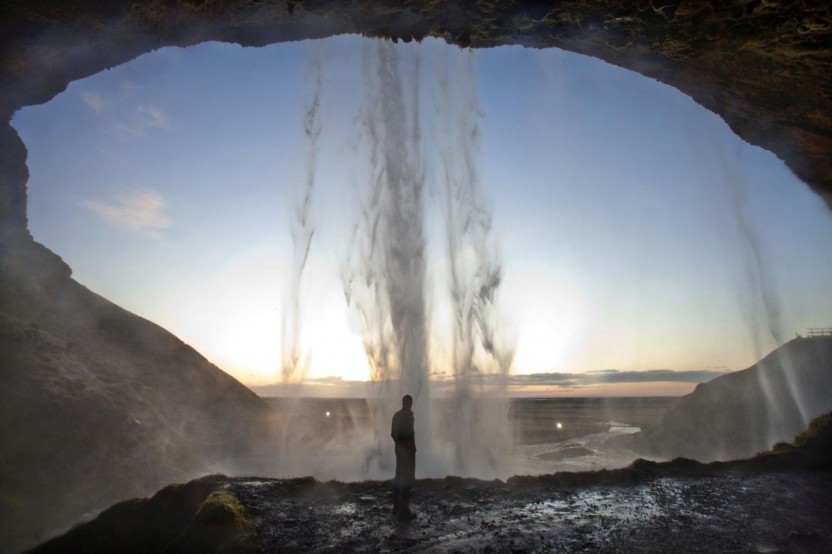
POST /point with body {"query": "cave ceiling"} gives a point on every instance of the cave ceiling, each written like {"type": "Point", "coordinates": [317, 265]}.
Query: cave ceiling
{"type": "Point", "coordinates": [764, 66]}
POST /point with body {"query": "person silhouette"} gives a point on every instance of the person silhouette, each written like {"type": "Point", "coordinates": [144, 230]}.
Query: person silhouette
{"type": "Point", "coordinates": [405, 440]}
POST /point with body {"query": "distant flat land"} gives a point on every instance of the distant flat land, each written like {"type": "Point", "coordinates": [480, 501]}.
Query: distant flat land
{"type": "Point", "coordinates": [534, 420]}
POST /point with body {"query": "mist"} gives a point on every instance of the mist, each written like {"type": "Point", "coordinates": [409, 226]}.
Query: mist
{"type": "Point", "coordinates": [294, 365]}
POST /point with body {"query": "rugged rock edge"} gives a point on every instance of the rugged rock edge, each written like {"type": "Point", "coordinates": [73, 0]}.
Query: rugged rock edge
{"type": "Point", "coordinates": [175, 518]}
{"type": "Point", "coordinates": [765, 67]}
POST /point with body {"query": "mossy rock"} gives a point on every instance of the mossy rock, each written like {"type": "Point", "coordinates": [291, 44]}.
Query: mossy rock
{"type": "Point", "coordinates": [220, 526]}
{"type": "Point", "coordinates": [200, 516]}
{"type": "Point", "coordinates": [219, 509]}
{"type": "Point", "coordinates": [812, 448]}
{"type": "Point", "coordinates": [819, 432]}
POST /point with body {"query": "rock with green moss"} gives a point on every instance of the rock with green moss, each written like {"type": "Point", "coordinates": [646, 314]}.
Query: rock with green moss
{"type": "Point", "coordinates": [220, 525]}
{"type": "Point", "coordinates": [200, 516]}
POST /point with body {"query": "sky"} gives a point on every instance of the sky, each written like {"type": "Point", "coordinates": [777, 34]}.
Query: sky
{"type": "Point", "coordinates": [638, 235]}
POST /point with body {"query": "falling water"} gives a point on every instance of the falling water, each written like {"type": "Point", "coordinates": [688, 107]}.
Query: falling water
{"type": "Point", "coordinates": [385, 281]}
{"type": "Point", "coordinates": [385, 277]}
{"type": "Point", "coordinates": [293, 364]}
{"type": "Point", "coordinates": [478, 430]}
{"type": "Point", "coordinates": [762, 309]}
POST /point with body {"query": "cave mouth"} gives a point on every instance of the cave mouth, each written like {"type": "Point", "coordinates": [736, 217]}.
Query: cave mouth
{"type": "Point", "coordinates": [589, 167]}
{"type": "Point", "coordinates": [622, 214]}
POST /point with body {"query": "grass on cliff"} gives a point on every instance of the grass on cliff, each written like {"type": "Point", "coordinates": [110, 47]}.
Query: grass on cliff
{"type": "Point", "coordinates": [811, 449]}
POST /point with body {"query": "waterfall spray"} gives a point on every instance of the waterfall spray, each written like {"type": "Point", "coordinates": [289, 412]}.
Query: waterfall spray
{"type": "Point", "coordinates": [760, 298]}
{"type": "Point", "coordinates": [385, 277]}
{"type": "Point", "coordinates": [386, 283]}
{"type": "Point", "coordinates": [293, 363]}
{"type": "Point", "coordinates": [762, 309]}
{"type": "Point", "coordinates": [478, 429]}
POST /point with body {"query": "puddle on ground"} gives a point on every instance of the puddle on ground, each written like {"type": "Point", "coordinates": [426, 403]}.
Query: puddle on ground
{"type": "Point", "coordinates": [578, 508]}
{"type": "Point", "coordinates": [346, 509]}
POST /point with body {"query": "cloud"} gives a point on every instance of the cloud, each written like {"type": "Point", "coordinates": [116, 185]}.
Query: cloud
{"type": "Point", "coordinates": [614, 376]}
{"type": "Point", "coordinates": [141, 119]}
{"type": "Point", "coordinates": [140, 210]}
{"type": "Point", "coordinates": [336, 386]}
{"type": "Point", "coordinates": [95, 103]}
{"type": "Point", "coordinates": [153, 116]}
{"type": "Point", "coordinates": [127, 119]}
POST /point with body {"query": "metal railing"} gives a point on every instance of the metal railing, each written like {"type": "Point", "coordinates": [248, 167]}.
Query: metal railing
{"type": "Point", "coordinates": [819, 332]}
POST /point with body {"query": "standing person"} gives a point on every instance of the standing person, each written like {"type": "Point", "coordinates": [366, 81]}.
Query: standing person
{"type": "Point", "coordinates": [404, 436]}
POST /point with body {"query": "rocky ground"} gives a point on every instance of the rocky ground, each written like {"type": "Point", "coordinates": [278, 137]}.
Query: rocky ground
{"type": "Point", "coordinates": [777, 502]}
{"type": "Point", "coordinates": [731, 512]}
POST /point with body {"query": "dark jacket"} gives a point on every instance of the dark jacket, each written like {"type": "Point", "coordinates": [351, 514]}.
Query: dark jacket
{"type": "Point", "coordinates": [402, 429]}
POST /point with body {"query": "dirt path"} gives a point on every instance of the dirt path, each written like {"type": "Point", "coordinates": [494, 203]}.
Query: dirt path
{"type": "Point", "coordinates": [726, 512]}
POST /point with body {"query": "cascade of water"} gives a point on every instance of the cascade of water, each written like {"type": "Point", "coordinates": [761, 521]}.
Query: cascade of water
{"type": "Point", "coordinates": [385, 277]}
{"type": "Point", "coordinates": [763, 312]}
{"type": "Point", "coordinates": [386, 281]}
{"type": "Point", "coordinates": [479, 429]}
{"type": "Point", "coordinates": [293, 364]}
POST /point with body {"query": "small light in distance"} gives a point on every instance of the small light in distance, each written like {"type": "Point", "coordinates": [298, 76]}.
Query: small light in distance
{"type": "Point", "coordinates": [559, 425]}
{"type": "Point", "coordinates": [327, 414]}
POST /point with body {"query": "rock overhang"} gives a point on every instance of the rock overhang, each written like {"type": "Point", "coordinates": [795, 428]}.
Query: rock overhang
{"type": "Point", "coordinates": [765, 67]}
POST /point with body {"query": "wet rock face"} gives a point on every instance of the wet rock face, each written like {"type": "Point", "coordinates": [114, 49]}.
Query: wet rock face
{"type": "Point", "coordinates": [764, 66]}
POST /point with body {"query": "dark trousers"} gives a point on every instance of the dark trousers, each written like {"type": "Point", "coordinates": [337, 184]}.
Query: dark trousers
{"type": "Point", "coordinates": [403, 481]}
{"type": "Point", "coordinates": [401, 499]}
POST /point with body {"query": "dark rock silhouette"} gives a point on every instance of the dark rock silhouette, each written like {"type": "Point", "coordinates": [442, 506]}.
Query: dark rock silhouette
{"type": "Point", "coordinates": [748, 411]}
{"type": "Point", "coordinates": [98, 404]}
{"type": "Point", "coordinates": [762, 66]}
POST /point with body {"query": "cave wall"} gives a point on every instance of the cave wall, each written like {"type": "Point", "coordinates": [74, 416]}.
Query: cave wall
{"type": "Point", "coordinates": [764, 66]}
